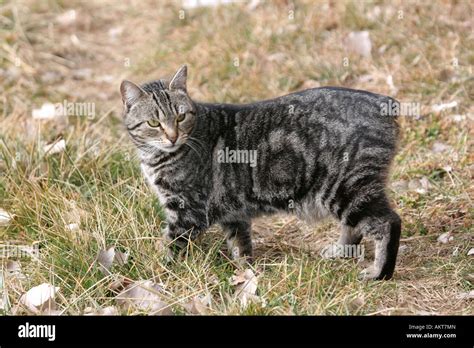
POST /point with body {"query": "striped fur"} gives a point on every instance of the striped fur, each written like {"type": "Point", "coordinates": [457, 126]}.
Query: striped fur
{"type": "Point", "coordinates": [320, 152]}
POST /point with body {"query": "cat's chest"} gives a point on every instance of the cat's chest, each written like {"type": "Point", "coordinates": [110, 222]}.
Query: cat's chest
{"type": "Point", "coordinates": [150, 178]}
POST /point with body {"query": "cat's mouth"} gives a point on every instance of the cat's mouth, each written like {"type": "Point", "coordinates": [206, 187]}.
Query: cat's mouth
{"type": "Point", "coordinates": [171, 147]}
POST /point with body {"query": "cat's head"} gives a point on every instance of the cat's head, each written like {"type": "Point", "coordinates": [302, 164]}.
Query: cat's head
{"type": "Point", "coordinates": [159, 114]}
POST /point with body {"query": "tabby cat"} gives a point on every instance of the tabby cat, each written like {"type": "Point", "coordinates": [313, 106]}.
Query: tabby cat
{"type": "Point", "coordinates": [317, 153]}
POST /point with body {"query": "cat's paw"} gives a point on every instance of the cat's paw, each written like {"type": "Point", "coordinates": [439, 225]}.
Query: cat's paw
{"type": "Point", "coordinates": [240, 256]}
{"type": "Point", "coordinates": [239, 259]}
{"type": "Point", "coordinates": [370, 273]}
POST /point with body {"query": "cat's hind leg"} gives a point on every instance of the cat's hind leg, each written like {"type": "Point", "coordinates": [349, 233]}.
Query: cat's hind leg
{"type": "Point", "coordinates": [346, 246]}
{"type": "Point", "coordinates": [376, 220]}
{"type": "Point", "coordinates": [239, 240]}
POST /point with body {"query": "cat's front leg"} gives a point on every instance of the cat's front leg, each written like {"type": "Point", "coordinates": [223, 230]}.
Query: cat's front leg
{"type": "Point", "coordinates": [184, 223]}
{"type": "Point", "coordinates": [239, 240]}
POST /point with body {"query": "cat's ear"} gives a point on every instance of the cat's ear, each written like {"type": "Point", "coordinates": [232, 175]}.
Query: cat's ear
{"type": "Point", "coordinates": [131, 93]}
{"type": "Point", "coordinates": [179, 79]}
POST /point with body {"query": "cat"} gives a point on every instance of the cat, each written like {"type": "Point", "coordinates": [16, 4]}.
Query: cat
{"type": "Point", "coordinates": [321, 152]}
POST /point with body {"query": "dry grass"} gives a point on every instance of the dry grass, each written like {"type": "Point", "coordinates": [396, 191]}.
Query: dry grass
{"type": "Point", "coordinates": [97, 177]}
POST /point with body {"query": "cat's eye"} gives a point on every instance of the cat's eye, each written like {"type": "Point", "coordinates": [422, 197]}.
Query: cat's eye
{"type": "Point", "coordinates": [154, 123]}
{"type": "Point", "coordinates": [181, 117]}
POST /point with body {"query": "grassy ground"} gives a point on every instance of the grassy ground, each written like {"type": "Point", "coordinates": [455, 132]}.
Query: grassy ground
{"type": "Point", "coordinates": [235, 53]}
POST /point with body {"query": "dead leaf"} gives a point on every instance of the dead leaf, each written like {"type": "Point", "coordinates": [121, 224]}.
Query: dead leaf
{"type": "Point", "coordinates": [245, 286]}
{"type": "Point", "coordinates": [190, 4]}
{"type": "Point", "coordinates": [360, 43]}
{"type": "Point", "coordinates": [75, 40]}
{"type": "Point", "coordinates": [420, 186]}
{"type": "Point", "coordinates": [423, 312]}
{"type": "Point", "coordinates": [72, 219]}
{"type": "Point", "coordinates": [119, 283]}
{"type": "Point", "coordinates": [55, 147]}
{"type": "Point", "coordinates": [444, 106]}
{"type": "Point", "coordinates": [121, 258]}
{"type": "Point", "coordinates": [374, 13]}
{"type": "Point", "coordinates": [110, 310]}
{"type": "Point", "coordinates": [51, 311]}
{"type": "Point", "coordinates": [439, 147]}
{"type": "Point", "coordinates": [403, 249]}
{"type": "Point", "coordinates": [162, 248]}
{"type": "Point", "coordinates": [448, 169]}
{"type": "Point", "coordinates": [144, 296]}
{"type": "Point", "coordinates": [357, 303]}
{"type": "Point", "coordinates": [466, 295]}
{"type": "Point", "coordinates": [82, 74]}
{"type": "Point", "coordinates": [106, 259]}
{"type": "Point", "coordinates": [213, 279]}
{"type": "Point", "coordinates": [5, 217]}
{"type": "Point", "coordinates": [67, 18]}
{"type": "Point", "coordinates": [14, 270]}
{"type": "Point", "coordinates": [425, 183]}
{"type": "Point", "coordinates": [198, 305]}
{"type": "Point", "coordinates": [445, 238]}
{"type": "Point", "coordinates": [72, 227]}
{"type": "Point", "coordinates": [310, 84]}
{"type": "Point", "coordinates": [51, 77]}
{"type": "Point", "coordinates": [458, 118]}
{"type": "Point", "coordinates": [46, 112]}
{"type": "Point", "coordinates": [400, 186]}
{"type": "Point", "coordinates": [446, 75]}
{"type": "Point", "coordinates": [40, 299]}
{"type": "Point", "coordinates": [74, 214]}
{"type": "Point", "coordinates": [115, 32]}
{"type": "Point", "coordinates": [13, 266]}
{"type": "Point", "coordinates": [277, 57]}
{"type": "Point", "coordinates": [391, 85]}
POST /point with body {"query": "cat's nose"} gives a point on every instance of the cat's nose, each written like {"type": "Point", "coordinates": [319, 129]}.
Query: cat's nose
{"type": "Point", "coordinates": [172, 137]}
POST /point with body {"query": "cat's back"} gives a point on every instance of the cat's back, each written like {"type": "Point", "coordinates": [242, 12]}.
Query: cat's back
{"type": "Point", "coordinates": [338, 101]}
{"type": "Point", "coordinates": [333, 102]}
{"type": "Point", "coordinates": [337, 92]}
{"type": "Point", "coordinates": [352, 107]}
{"type": "Point", "coordinates": [338, 110]}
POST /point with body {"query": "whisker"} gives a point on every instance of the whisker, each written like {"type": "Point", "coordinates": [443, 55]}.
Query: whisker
{"type": "Point", "coordinates": [191, 147]}
{"type": "Point", "coordinates": [197, 143]}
